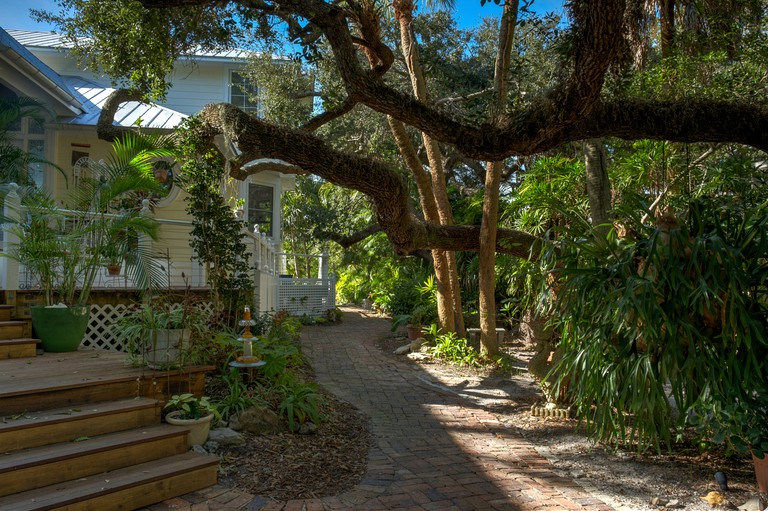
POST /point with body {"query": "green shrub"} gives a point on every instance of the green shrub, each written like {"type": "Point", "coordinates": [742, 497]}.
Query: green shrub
{"type": "Point", "coordinates": [677, 314]}
{"type": "Point", "coordinates": [300, 402]}
{"type": "Point", "coordinates": [453, 348]}
{"type": "Point", "coordinates": [284, 329]}
{"type": "Point", "coordinates": [237, 397]}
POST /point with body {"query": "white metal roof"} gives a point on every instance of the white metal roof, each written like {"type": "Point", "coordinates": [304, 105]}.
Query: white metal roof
{"type": "Point", "coordinates": [37, 71]}
{"type": "Point", "coordinates": [39, 39]}
{"type": "Point", "coordinates": [36, 39]}
{"type": "Point", "coordinates": [85, 97]}
{"type": "Point", "coordinates": [93, 97]}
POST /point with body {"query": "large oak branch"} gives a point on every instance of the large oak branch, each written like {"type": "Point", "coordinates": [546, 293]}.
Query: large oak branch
{"type": "Point", "coordinates": [678, 121]}
{"type": "Point", "coordinates": [569, 111]}
{"type": "Point", "coordinates": [384, 186]}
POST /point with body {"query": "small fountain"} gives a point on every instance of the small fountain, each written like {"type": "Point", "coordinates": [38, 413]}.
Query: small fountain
{"type": "Point", "coordinates": [247, 359]}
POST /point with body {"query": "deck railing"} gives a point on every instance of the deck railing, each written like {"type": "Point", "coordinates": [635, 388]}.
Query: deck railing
{"type": "Point", "coordinates": [181, 267]}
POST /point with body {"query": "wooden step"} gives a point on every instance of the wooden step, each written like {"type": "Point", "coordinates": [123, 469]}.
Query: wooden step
{"type": "Point", "coordinates": [51, 464]}
{"type": "Point", "coordinates": [56, 380]}
{"type": "Point", "coordinates": [12, 329]}
{"type": "Point", "coordinates": [6, 312]}
{"type": "Point", "coordinates": [124, 489]}
{"type": "Point", "coordinates": [35, 429]}
{"type": "Point", "coordinates": [24, 347]}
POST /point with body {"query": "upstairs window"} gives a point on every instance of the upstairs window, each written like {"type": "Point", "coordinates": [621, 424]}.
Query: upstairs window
{"type": "Point", "coordinates": [243, 93]}
{"type": "Point", "coordinates": [260, 207]}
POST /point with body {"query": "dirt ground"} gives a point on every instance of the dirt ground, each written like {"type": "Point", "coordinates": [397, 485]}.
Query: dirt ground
{"type": "Point", "coordinates": [624, 479]}
{"type": "Point", "coordinates": [333, 459]}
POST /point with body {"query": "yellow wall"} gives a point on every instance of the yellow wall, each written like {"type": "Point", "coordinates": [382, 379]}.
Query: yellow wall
{"type": "Point", "coordinates": [175, 225]}
{"type": "Point", "coordinates": [69, 139]}
{"type": "Point", "coordinates": [173, 239]}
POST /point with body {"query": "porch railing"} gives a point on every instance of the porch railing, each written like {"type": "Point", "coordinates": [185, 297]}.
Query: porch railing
{"type": "Point", "coordinates": [182, 268]}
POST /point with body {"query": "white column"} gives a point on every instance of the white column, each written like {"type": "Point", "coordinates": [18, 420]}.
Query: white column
{"type": "Point", "coordinates": [9, 271]}
{"type": "Point", "coordinates": [322, 268]}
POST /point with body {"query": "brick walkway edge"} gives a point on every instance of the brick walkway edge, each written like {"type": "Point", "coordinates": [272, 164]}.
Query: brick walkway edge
{"type": "Point", "coordinates": [433, 450]}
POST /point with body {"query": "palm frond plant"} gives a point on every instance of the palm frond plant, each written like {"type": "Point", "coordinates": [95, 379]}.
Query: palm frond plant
{"type": "Point", "coordinates": [667, 324]}
{"type": "Point", "coordinates": [64, 249]}
{"type": "Point", "coordinates": [160, 332]}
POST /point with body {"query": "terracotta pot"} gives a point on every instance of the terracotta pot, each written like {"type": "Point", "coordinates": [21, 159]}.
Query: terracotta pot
{"type": "Point", "coordinates": [761, 472]}
{"type": "Point", "coordinates": [198, 428]}
{"type": "Point", "coordinates": [414, 332]}
{"type": "Point", "coordinates": [113, 269]}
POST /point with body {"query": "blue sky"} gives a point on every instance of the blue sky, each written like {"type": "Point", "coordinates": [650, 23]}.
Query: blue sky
{"type": "Point", "coordinates": [469, 12]}
{"type": "Point", "coordinates": [18, 17]}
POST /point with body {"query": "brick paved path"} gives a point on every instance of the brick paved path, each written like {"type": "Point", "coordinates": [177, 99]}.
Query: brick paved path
{"type": "Point", "coordinates": [433, 450]}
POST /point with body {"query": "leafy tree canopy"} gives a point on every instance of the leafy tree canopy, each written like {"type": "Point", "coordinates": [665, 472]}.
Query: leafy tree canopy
{"type": "Point", "coordinates": [599, 80]}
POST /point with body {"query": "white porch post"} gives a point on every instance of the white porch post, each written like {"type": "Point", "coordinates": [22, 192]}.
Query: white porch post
{"type": "Point", "coordinates": [145, 242]}
{"type": "Point", "coordinates": [9, 271]}
{"type": "Point", "coordinates": [274, 277]}
{"type": "Point", "coordinates": [322, 268]}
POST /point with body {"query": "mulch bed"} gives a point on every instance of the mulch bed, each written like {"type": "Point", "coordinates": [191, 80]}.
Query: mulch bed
{"type": "Point", "coordinates": [289, 466]}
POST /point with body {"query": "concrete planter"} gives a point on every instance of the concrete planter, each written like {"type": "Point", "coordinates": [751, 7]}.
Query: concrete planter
{"type": "Point", "coordinates": [198, 428]}
{"type": "Point", "coordinates": [167, 348]}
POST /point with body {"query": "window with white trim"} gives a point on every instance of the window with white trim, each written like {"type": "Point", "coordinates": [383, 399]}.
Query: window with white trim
{"type": "Point", "coordinates": [260, 207]}
{"type": "Point", "coordinates": [243, 93]}
{"type": "Point", "coordinates": [28, 134]}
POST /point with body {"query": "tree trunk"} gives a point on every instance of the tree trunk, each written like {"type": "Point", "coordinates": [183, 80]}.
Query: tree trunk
{"type": "Point", "coordinates": [458, 315]}
{"type": "Point", "coordinates": [598, 184]}
{"type": "Point", "coordinates": [429, 207]}
{"type": "Point", "coordinates": [448, 294]}
{"type": "Point", "coordinates": [667, 8]}
{"type": "Point", "coordinates": [487, 260]}
{"type": "Point", "coordinates": [489, 225]}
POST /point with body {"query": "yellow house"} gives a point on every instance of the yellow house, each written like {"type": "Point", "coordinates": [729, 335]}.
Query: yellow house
{"type": "Point", "coordinates": [38, 65]}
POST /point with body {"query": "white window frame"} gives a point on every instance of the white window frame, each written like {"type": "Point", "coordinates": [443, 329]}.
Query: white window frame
{"type": "Point", "coordinates": [272, 219]}
{"type": "Point", "coordinates": [241, 100]}
{"type": "Point", "coordinates": [23, 137]}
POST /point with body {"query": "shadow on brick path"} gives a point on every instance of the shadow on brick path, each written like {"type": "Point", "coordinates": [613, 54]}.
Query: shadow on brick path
{"type": "Point", "coordinates": [432, 450]}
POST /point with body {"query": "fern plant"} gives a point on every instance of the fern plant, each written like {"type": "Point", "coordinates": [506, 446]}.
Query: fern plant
{"type": "Point", "coordinates": [664, 324]}
{"type": "Point", "coordinates": [453, 348]}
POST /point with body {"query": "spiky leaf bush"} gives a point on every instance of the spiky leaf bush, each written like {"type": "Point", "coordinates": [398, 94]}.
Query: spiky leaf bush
{"type": "Point", "coordinates": [664, 325]}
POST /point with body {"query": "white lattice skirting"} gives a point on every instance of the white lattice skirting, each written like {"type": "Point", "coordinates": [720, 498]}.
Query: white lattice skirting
{"type": "Point", "coordinates": [101, 332]}
{"type": "Point", "coordinates": [311, 297]}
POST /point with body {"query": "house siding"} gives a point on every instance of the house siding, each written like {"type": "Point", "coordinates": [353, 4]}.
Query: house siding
{"type": "Point", "coordinates": [67, 140]}
{"type": "Point", "coordinates": [194, 84]}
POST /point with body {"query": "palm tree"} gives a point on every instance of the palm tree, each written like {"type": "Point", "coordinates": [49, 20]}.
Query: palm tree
{"type": "Point", "coordinates": [65, 249]}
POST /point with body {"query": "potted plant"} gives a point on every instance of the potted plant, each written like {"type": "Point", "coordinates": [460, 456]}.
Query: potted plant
{"type": "Point", "coordinates": [420, 316]}
{"type": "Point", "coordinates": [113, 258]}
{"type": "Point", "coordinates": [742, 424]}
{"type": "Point", "coordinates": [193, 413]}
{"type": "Point", "coordinates": [63, 250]}
{"type": "Point", "coordinates": [159, 331]}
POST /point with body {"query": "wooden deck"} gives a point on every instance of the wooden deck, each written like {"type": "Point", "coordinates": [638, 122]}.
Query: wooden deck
{"type": "Point", "coordinates": [81, 431]}
{"type": "Point", "coordinates": [87, 375]}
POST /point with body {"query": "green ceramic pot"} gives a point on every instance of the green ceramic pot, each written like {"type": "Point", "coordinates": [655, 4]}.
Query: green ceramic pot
{"type": "Point", "coordinates": [60, 329]}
